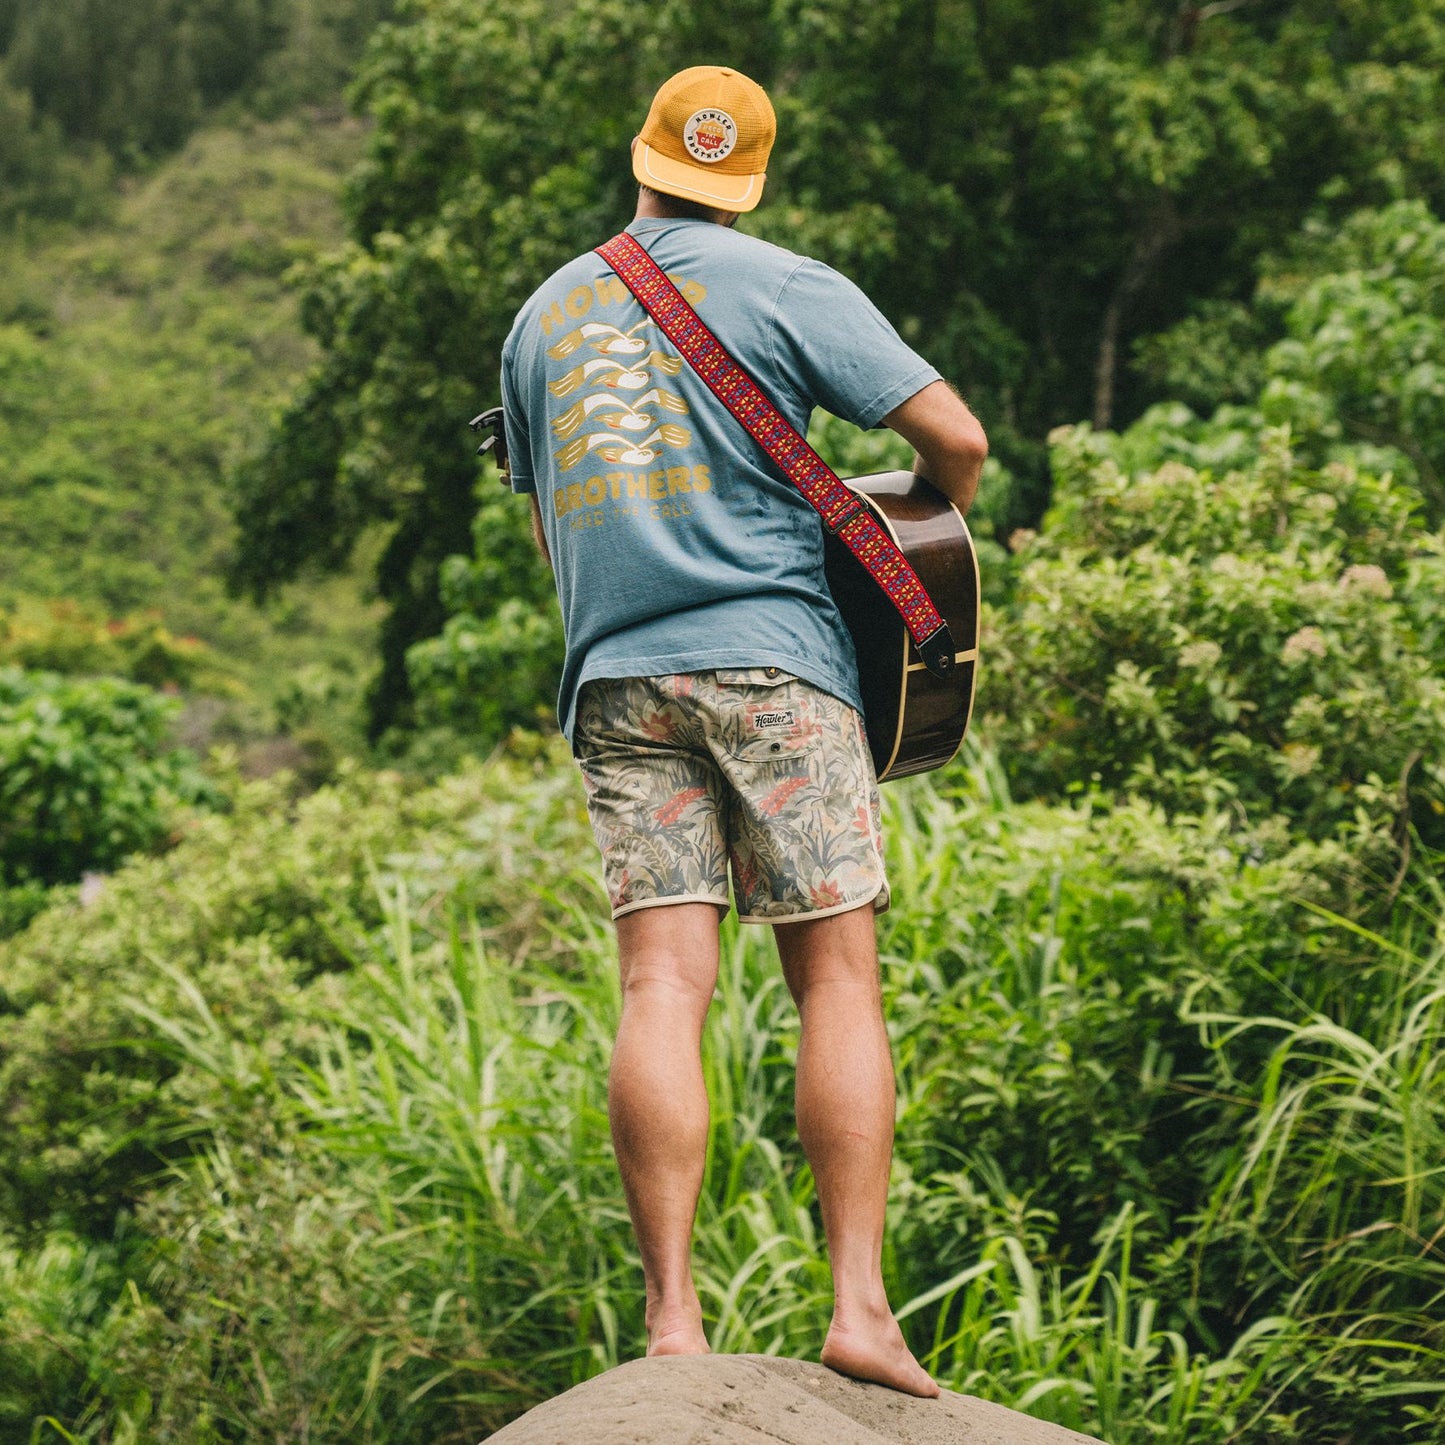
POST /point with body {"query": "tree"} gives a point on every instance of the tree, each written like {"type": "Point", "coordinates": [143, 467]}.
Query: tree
{"type": "Point", "coordinates": [135, 76]}
{"type": "Point", "coordinates": [39, 173]}
{"type": "Point", "coordinates": [1344, 343]}
{"type": "Point", "coordinates": [1030, 189]}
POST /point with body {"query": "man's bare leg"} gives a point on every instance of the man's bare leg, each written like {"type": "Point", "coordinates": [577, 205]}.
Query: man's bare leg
{"type": "Point", "coordinates": [658, 1104]}
{"type": "Point", "coordinates": [845, 1103]}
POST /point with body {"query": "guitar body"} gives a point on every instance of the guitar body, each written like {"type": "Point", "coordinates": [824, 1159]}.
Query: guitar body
{"type": "Point", "coordinates": [915, 721]}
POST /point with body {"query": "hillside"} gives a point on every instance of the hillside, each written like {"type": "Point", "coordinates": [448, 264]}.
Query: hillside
{"type": "Point", "coordinates": [139, 357]}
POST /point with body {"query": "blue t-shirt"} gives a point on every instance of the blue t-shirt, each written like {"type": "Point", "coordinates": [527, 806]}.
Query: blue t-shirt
{"type": "Point", "coordinates": [678, 545]}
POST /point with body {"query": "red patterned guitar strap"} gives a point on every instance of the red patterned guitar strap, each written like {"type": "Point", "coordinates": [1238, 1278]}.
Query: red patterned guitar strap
{"type": "Point", "coordinates": [844, 516]}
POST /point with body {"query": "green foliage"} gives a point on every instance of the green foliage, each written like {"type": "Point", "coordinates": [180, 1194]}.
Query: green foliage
{"type": "Point", "coordinates": [1360, 366]}
{"type": "Point", "coordinates": [1338, 1164]}
{"type": "Point", "coordinates": [21, 902]}
{"type": "Point", "coordinates": [54, 1298]}
{"type": "Point", "coordinates": [135, 76]}
{"type": "Point", "coordinates": [304, 1116]}
{"type": "Point", "coordinates": [497, 663]}
{"type": "Point", "coordinates": [134, 360]}
{"type": "Point", "coordinates": [1365, 344]}
{"type": "Point", "coordinates": [68, 638]}
{"type": "Point", "coordinates": [1025, 196]}
{"type": "Point", "coordinates": [1166, 1137]}
{"type": "Point", "coordinates": [1266, 636]}
{"type": "Point", "coordinates": [253, 907]}
{"type": "Point", "coordinates": [1084, 1351]}
{"type": "Point", "coordinates": [1173, 1025]}
{"type": "Point", "coordinates": [86, 775]}
{"type": "Point", "coordinates": [40, 175]}
{"type": "Point", "coordinates": [304, 1310]}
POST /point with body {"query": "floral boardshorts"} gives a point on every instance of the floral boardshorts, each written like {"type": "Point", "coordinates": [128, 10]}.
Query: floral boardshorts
{"type": "Point", "coordinates": [748, 769]}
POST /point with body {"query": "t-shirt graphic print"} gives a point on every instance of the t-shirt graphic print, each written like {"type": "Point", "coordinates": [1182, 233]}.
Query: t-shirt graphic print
{"type": "Point", "coordinates": [677, 544]}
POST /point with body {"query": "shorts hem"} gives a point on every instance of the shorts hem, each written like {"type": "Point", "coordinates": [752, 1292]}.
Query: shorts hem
{"type": "Point", "coordinates": [816, 913]}
{"type": "Point", "coordinates": [723, 903]}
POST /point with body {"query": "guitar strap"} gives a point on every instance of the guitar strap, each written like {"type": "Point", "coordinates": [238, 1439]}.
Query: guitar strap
{"type": "Point", "coordinates": [844, 516]}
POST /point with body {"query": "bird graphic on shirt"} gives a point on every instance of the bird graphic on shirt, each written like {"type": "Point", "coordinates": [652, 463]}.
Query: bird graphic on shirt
{"type": "Point", "coordinates": [614, 375]}
{"type": "Point", "coordinates": [614, 448]}
{"type": "Point", "coordinates": [612, 411]}
{"type": "Point", "coordinates": [602, 338]}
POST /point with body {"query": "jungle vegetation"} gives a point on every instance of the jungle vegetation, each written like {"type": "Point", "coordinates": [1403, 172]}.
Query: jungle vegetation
{"type": "Point", "coordinates": [302, 1067]}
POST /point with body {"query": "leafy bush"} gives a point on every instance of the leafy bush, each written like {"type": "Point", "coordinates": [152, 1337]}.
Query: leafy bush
{"type": "Point", "coordinates": [56, 1293]}
{"type": "Point", "coordinates": [1266, 638]}
{"type": "Point", "coordinates": [1107, 1015]}
{"type": "Point", "coordinates": [369, 1032]}
{"type": "Point", "coordinates": [20, 903]}
{"type": "Point", "coordinates": [281, 1299]}
{"type": "Point", "coordinates": [498, 661]}
{"type": "Point", "coordinates": [86, 775]}
{"type": "Point", "coordinates": [1343, 342]}
{"type": "Point", "coordinates": [251, 907]}
{"type": "Point", "coordinates": [69, 637]}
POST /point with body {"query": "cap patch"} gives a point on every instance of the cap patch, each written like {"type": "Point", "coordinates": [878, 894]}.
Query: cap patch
{"type": "Point", "coordinates": [710, 135]}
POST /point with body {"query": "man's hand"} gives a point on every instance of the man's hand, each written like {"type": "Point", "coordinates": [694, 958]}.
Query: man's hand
{"type": "Point", "coordinates": [537, 531]}
{"type": "Point", "coordinates": [948, 442]}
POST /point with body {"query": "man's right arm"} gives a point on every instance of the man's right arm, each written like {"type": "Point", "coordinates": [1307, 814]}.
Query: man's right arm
{"type": "Point", "coordinates": [537, 532]}
{"type": "Point", "coordinates": [947, 439]}
{"type": "Point", "coordinates": [518, 446]}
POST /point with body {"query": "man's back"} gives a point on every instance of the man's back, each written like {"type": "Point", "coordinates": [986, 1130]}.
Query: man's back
{"type": "Point", "coordinates": [678, 546]}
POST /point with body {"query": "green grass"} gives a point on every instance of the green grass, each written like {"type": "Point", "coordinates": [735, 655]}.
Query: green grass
{"type": "Point", "coordinates": [310, 1116]}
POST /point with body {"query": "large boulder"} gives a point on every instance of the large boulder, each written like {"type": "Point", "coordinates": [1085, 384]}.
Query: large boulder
{"type": "Point", "coordinates": [760, 1400]}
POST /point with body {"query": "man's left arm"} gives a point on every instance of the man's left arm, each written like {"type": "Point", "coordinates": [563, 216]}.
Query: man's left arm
{"type": "Point", "coordinates": [948, 442]}
{"type": "Point", "coordinates": [853, 362]}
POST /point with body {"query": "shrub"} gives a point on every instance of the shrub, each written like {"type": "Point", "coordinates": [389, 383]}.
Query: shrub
{"type": "Point", "coordinates": [344, 1061]}
{"type": "Point", "coordinates": [86, 776]}
{"type": "Point", "coordinates": [250, 908]}
{"type": "Point", "coordinates": [72, 638]}
{"type": "Point", "coordinates": [56, 1292]}
{"type": "Point", "coordinates": [1358, 369]}
{"type": "Point", "coordinates": [1266, 639]}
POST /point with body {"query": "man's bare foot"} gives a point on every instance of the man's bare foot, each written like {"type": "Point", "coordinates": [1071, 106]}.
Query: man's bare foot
{"type": "Point", "coordinates": [869, 1346]}
{"type": "Point", "coordinates": [676, 1332]}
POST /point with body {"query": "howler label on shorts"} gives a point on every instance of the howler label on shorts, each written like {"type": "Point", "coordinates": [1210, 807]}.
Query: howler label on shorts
{"type": "Point", "coordinates": [844, 516]}
{"type": "Point", "coordinates": [766, 721]}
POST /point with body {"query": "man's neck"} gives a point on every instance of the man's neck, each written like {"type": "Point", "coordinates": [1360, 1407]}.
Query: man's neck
{"type": "Point", "coordinates": [654, 207]}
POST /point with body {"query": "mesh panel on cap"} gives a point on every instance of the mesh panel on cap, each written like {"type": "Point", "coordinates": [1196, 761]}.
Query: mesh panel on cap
{"type": "Point", "coordinates": [708, 88]}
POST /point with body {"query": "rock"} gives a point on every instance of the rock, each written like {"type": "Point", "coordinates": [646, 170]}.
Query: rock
{"type": "Point", "coordinates": [761, 1400]}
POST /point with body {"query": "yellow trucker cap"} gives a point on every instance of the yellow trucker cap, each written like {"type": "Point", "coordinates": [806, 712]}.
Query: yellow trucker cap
{"type": "Point", "coordinates": [707, 138]}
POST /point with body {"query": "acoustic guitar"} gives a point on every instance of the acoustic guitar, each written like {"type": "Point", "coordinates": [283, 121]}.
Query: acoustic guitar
{"type": "Point", "coordinates": [915, 721]}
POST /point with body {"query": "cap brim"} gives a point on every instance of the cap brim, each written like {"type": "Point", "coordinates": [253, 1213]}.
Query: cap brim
{"type": "Point", "coordinates": [694, 183]}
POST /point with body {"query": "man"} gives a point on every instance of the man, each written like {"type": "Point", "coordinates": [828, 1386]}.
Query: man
{"type": "Point", "coordinates": [710, 689]}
